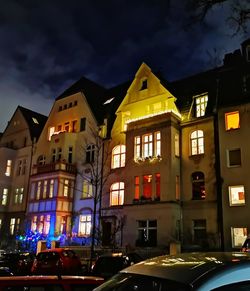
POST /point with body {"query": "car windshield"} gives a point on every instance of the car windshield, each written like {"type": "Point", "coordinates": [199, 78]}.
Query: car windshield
{"type": "Point", "coordinates": [131, 282]}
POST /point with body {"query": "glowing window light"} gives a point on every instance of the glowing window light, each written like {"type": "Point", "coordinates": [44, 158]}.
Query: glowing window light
{"type": "Point", "coordinates": [232, 120]}
{"type": "Point", "coordinates": [117, 194]}
{"type": "Point", "coordinates": [8, 168]}
{"type": "Point", "coordinates": [118, 156]}
{"type": "Point", "coordinates": [197, 142]}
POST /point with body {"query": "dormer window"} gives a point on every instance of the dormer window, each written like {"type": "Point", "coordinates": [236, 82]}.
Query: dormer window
{"type": "Point", "coordinates": [144, 84]}
{"type": "Point", "coordinates": [201, 104]}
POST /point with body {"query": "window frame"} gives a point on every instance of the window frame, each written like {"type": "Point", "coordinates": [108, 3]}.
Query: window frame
{"type": "Point", "coordinates": [227, 115]}
{"type": "Point", "coordinates": [197, 142]}
{"type": "Point", "coordinates": [119, 192]}
{"type": "Point", "coordinates": [118, 159]}
{"type": "Point", "coordinates": [230, 188]}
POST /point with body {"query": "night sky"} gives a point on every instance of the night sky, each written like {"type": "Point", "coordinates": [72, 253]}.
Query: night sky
{"type": "Point", "coordinates": [46, 45]}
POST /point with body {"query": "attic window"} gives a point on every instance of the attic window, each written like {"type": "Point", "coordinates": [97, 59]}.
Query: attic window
{"type": "Point", "coordinates": [108, 101]}
{"type": "Point", "coordinates": [144, 84]}
{"type": "Point", "coordinates": [35, 120]}
{"type": "Point", "coordinates": [201, 104]}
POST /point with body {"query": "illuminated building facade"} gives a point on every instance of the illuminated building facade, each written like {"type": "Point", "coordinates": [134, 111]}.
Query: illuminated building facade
{"type": "Point", "coordinates": [16, 147]}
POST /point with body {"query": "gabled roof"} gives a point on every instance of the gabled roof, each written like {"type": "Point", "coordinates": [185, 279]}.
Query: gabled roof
{"type": "Point", "coordinates": [93, 92]}
{"type": "Point", "coordinates": [35, 121]}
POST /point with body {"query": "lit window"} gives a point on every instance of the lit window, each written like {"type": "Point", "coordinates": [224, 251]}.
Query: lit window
{"type": "Point", "coordinates": [157, 149]}
{"type": "Point", "coordinates": [40, 224]}
{"type": "Point", "coordinates": [147, 233]}
{"type": "Point", "coordinates": [63, 224]}
{"type": "Point", "coordinates": [198, 186]}
{"type": "Point", "coordinates": [0, 223]}
{"type": "Point", "coordinates": [66, 126]}
{"type": "Point", "coordinates": [232, 120]}
{"type": "Point", "coordinates": [117, 194]}
{"type": "Point", "coordinates": [137, 152]}
{"type": "Point", "coordinates": [51, 188]}
{"type": "Point", "coordinates": [38, 191]}
{"type": "Point", "coordinates": [5, 196]}
{"type": "Point", "coordinates": [197, 142]}
{"type": "Point", "coordinates": [87, 189]}
{"type": "Point", "coordinates": [51, 131]}
{"type": "Point", "coordinates": [177, 144]}
{"type": "Point", "coordinates": [8, 168]}
{"type": "Point", "coordinates": [84, 225]}
{"type": "Point", "coordinates": [45, 183]}
{"type": "Point", "coordinates": [66, 188]}
{"type": "Point", "coordinates": [12, 226]}
{"type": "Point", "coordinates": [238, 234]}
{"type": "Point", "coordinates": [147, 186]}
{"type": "Point", "coordinates": [34, 223]}
{"type": "Point", "coordinates": [137, 188]}
{"type": "Point", "coordinates": [41, 160]}
{"type": "Point", "coordinates": [47, 224]}
{"type": "Point", "coordinates": [35, 120]}
{"type": "Point", "coordinates": [118, 156]}
{"type": "Point", "coordinates": [158, 186]}
{"type": "Point", "coordinates": [234, 158]}
{"type": "Point", "coordinates": [147, 145]}
{"type": "Point", "coordinates": [90, 153]}
{"type": "Point", "coordinates": [18, 199]}
{"type": "Point", "coordinates": [201, 104]}
{"type": "Point", "coordinates": [236, 195]}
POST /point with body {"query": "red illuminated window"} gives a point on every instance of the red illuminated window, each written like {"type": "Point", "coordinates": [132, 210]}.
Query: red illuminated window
{"type": "Point", "coordinates": [158, 185]}
{"type": "Point", "coordinates": [137, 187]}
{"type": "Point", "coordinates": [147, 186]}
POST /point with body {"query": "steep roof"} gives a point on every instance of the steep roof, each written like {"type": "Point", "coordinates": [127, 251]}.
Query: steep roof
{"type": "Point", "coordinates": [93, 92]}
{"type": "Point", "coordinates": [35, 121]}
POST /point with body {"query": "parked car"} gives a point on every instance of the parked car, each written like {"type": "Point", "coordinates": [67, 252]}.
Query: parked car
{"type": "Point", "coordinates": [18, 263]}
{"type": "Point", "coordinates": [107, 265]}
{"type": "Point", "coordinates": [56, 261]}
{"type": "Point", "coordinates": [246, 245]}
{"type": "Point", "coordinates": [184, 272]}
{"type": "Point", "coordinates": [49, 283]}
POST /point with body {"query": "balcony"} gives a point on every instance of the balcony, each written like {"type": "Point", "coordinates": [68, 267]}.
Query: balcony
{"type": "Point", "coordinates": [54, 167]}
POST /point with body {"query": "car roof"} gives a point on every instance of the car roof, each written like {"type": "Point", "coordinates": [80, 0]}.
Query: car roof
{"type": "Point", "coordinates": [187, 267]}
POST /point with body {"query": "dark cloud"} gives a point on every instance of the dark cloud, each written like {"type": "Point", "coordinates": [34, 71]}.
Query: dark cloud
{"type": "Point", "coordinates": [47, 45]}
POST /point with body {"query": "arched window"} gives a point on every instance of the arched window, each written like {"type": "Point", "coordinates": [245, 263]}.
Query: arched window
{"type": "Point", "coordinates": [90, 153]}
{"type": "Point", "coordinates": [198, 186]}
{"type": "Point", "coordinates": [118, 156]}
{"type": "Point", "coordinates": [41, 160]}
{"type": "Point", "coordinates": [117, 194]}
{"type": "Point", "coordinates": [197, 142]}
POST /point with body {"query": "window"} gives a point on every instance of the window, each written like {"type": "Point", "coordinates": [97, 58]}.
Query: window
{"type": "Point", "coordinates": [34, 223]}
{"type": "Point", "coordinates": [66, 188]}
{"type": "Point", "coordinates": [83, 124]}
{"type": "Point", "coordinates": [8, 168]}
{"type": "Point", "coordinates": [158, 186]}
{"type": "Point", "coordinates": [56, 155]}
{"type": "Point", "coordinates": [66, 126]}
{"type": "Point", "coordinates": [157, 149]}
{"type": "Point", "coordinates": [201, 104]}
{"type": "Point", "coordinates": [90, 153]}
{"type": "Point", "coordinates": [137, 152]}
{"type": "Point", "coordinates": [238, 234]}
{"type": "Point", "coordinates": [198, 186]}
{"type": "Point", "coordinates": [63, 224]}
{"type": "Point", "coordinates": [236, 195]}
{"type": "Point", "coordinates": [137, 188]}
{"type": "Point", "coordinates": [147, 186]}
{"type": "Point", "coordinates": [177, 144]}
{"type": "Point", "coordinates": [144, 84]}
{"type": "Point", "coordinates": [40, 224]}
{"type": "Point", "coordinates": [199, 231]}
{"type": "Point", "coordinates": [74, 125]}
{"type": "Point", "coordinates": [87, 189]}
{"type": "Point", "coordinates": [5, 196]}
{"type": "Point", "coordinates": [19, 167]}
{"type": "Point", "coordinates": [147, 145]}
{"type": "Point", "coordinates": [117, 194]}
{"type": "Point", "coordinates": [51, 188]}
{"type": "Point", "coordinates": [18, 199]}
{"type": "Point", "coordinates": [234, 158]}
{"type": "Point", "coordinates": [38, 191]}
{"type": "Point", "coordinates": [41, 160]}
{"type": "Point", "coordinates": [70, 155]}
{"type": "Point", "coordinates": [197, 142]}
{"type": "Point", "coordinates": [0, 223]}
{"type": "Point", "coordinates": [84, 225]}
{"type": "Point", "coordinates": [51, 131]}
{"type": "Point", "coordinates": [147, 233]}
{"type": "Point", "coordinates": [118, 156]}
{"type": "Point", "coordinates": [45, 184]}
{"type": "Point", "coordinates": [46, 224]}
{"type": "Point", "coordinates": [232, 120]}
{"type": "Point", "coordinates": [12, 226]}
